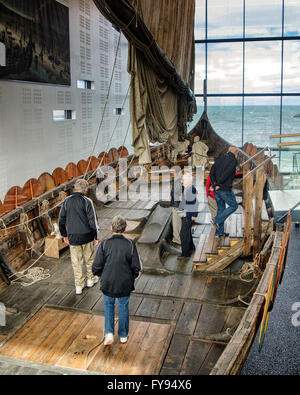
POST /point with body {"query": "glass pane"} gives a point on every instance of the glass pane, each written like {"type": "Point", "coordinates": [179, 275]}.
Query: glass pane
{"type": "Point", "coordinates": [291, 116]}
{"type": "Point", "coordinates": [263, 18]}
{"type": "Point", "coordinates": [225, 68]}
{"type": "Point", "coordinates": [200, 20]}
{"type": "Point", "coordinates": [199, 67]}
{"type": "Point", "coordinates": [291, 67]}
{"type": "Point", "coordinates": [197, 116]}
{"type": "Point", "coordinates": [80, 84]}
{"type": "Point", "coordinates": [290, 156]}
{"type": "Point", "coordinates": [225, 19]}
{"type": "Point", "coordinates": [58, 115]}
{"type": "Point", "coordinates": [291, 18]}
{"type": "Point", "coordinates": [261, 119]}
{"type": "Point", "coordinates": [263, 67]}
{"type": "Point", "coordinates": [225, 116]}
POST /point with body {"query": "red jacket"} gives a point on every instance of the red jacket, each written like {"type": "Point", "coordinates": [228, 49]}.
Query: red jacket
{"type": "Point", "coordinates": [209, 184]}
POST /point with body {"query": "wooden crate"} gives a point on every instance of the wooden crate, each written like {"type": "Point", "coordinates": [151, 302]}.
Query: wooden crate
{"type": "Point", "coordinates": [53, 246]}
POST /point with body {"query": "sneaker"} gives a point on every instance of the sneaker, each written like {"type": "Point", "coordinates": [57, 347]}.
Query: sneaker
{"type": "Point", "coordinates": [123, 339]}
{"type": "Point", "coordinates": [223, 235]}
{"type": "Point", "coordinates": [109, 339]}
{"type": "Point", "coordinates": [91, 283]}
{"type": "Point", "coordinates": [183, 258]}
{"type": "Point", "coordinates": [78, 290]}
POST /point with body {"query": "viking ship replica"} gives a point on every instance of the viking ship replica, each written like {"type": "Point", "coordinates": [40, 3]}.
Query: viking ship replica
{"type": "Point", "coordinates": [197, 317]}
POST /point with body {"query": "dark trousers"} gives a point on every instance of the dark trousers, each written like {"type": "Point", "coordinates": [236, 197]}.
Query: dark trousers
{"type": "Point", "coordinates": [187, 244]}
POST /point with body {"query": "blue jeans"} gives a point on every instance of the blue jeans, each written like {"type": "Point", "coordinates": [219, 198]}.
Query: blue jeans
{"type": "Point", "coordinates": [109, 313]}
{"type": "Point", "coordinates": [223, 198]}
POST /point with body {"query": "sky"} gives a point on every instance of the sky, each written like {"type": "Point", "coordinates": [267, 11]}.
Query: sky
{"type": "Point", "coordinates": [262, 59]}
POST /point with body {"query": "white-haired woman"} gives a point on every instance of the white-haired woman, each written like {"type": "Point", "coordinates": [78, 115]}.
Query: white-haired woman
{"type": "Point", "coordinates": [118, 264]}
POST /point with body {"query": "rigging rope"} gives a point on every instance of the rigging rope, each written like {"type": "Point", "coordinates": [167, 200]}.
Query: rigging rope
{"type": "Point", "coordinates": [34, 274]}
{"type": "Point", "coordinates": [100, 164]}
{"type": "Point", "coordinates": [105, 105]}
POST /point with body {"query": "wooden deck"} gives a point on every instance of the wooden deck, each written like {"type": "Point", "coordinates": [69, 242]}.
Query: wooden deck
{"type": "Point", "coordinates": [184, 310]}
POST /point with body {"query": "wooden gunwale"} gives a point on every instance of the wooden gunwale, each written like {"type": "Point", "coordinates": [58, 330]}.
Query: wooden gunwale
{"type": "Point", "coordinates": [235, 353]}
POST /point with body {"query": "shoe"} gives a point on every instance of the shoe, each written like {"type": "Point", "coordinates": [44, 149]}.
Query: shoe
{"type": "Point", "coordinates": [174, 244]}
{"type": "Point", "coordinates": [109, 339]}
{"type": "Point", "coordinates": [223, 235]}
{"type": "Point", "coordinates": [182, 257]}
{"type": "Point", "coordinates": [78, 290]}
{"type": "Point", "coordinates": [91, 283]}
{"type": "Point", "coordinates": [123, 339]}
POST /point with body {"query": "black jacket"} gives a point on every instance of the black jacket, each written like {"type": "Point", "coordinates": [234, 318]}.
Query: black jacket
{"type": "Point", "coordinates": [190, 202]}
{"type": "Point", "coordinates": [78, 220]}
{"type": "Point", "coordinates": [223, 171]}
{"type": "Point", "coordinates": [176, 193]}
{"type": "Point", "coordinates": [118, 264]}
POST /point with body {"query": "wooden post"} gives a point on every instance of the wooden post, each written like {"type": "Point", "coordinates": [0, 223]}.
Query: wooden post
{"type": "Point", "coordinates": [247, 205]}
{"type": "Point", "coordinates": [259, 189]}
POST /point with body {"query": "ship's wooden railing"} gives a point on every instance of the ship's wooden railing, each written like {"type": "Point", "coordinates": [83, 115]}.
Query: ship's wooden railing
{"type": "Point", "coordinates": [253, 191]}
{"type": "Point", "coordinates": [236, 351]}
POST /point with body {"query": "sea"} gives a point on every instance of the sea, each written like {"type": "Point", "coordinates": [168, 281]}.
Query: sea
{"type": "Point", "coordinates": [260, 122]}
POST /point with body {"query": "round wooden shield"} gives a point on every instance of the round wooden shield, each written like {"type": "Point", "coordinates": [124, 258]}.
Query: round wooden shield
{"type": "Point", "coordinates": [104, 159]}
{"type": "Point", "coordinates": [32, 188]}
{"type": "Point", "coordinates": [82, 166]}
{"type": "Point", "coordinates": [253, 150]}
{"type": "Point", "coordinates": [2, 211]}
{"type": "Point", "coordinates": [15, 197]}
{"type": "Point", "coordinates": [123, 152]}
{"type": "Point", "coordinates": [94, 162]}
{"type": "Point", "coordinates": [113, 155]}
{"type": "Point", "coordinates": [72, 171]}
{"type": "Point", "coordinates": [60, 176]}
{"type": "Point", "coordinates": [47, 182]}
{"type": "Point", "coordinates": [249, 149]}
{"type": "Point", "coordinates": [244, 147]}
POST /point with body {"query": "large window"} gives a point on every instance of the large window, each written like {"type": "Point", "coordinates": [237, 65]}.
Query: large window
{"type": "Point", "coordinates": [249, 54]}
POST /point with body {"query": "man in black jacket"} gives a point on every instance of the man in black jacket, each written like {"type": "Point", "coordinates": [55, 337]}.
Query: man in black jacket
{"type": "Point", "coordinates": [222, 175]}
{"type": "Point", "coordinates": [118, 264]}
{"type": "Point", "coordinates": [79, 226]}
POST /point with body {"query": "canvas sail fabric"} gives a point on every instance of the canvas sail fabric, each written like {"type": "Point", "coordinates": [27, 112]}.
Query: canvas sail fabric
{"type": "Point", "coordinates": [161, 101]}
{"type": "Point", "coordinates": [153, 106]}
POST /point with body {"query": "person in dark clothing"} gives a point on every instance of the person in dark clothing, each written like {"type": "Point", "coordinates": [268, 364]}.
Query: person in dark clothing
{"type": "Point", "coordinates": [222, 175]}
{"type": "Point", "coordinates": [118, 264]}
{"type": "Point", "coordinates": [176, 196]}
{"type": "Point", "coordinates": [188, 209]}
{"type": "Point", "coordinates": [78, 225]}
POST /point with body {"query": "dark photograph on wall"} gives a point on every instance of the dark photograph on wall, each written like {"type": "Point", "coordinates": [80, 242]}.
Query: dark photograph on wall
{"type": "Point", "coordinates": [34, 41]}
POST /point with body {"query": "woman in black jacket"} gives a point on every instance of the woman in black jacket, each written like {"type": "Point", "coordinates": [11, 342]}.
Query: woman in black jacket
{"type": "Point", "coordinates": [118, 264]}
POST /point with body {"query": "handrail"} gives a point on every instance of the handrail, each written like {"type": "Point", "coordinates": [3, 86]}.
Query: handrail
{"type": "Point", "coordinates": [280, 136]}
{"type": "Point", "coordinates": [290, 210]}
{"type": "Point", "coordinates": [255, 155]}
{"type": "Point", "coordinates": [256, 168]}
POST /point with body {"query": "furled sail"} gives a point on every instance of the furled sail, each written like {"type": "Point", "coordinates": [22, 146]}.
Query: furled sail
{"type": "Point", "coordinates": [161, 100]}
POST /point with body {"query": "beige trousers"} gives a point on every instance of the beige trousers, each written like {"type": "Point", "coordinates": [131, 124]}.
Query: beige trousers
{"type": "Point", "coordinates": [79, 255]}
{"type": "Point", "coordinates": [212, 205]}
{"type": "Point", "coordinates": [176, 226]}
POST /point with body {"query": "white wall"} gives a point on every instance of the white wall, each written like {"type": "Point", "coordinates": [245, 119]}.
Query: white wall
{"type": "Point", "coordinates": [30, 141]}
